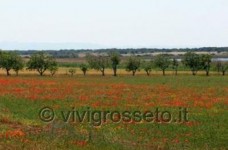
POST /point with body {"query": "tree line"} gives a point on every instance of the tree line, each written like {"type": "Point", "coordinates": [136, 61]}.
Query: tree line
{"type": "Point", "coordinates": [72, 53]}
{"type": "Point", "coordinates": [42, 62]}
{"type": "Point", "coordinates": [195, 62]}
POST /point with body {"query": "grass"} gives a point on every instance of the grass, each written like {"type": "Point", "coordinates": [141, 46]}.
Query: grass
{"type": "Point", "coordinates": [22, 97]}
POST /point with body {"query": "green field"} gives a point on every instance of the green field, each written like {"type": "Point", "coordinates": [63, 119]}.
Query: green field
{"type": "Point", "coordinates": [22, 98]}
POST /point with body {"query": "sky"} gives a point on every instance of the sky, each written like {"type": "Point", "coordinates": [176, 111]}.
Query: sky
{"type": "Point", "coordinates": [65, 24]}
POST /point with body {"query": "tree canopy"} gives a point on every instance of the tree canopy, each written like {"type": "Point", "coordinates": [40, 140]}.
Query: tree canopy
{"type": "Point", "coordinates": [41, 62]}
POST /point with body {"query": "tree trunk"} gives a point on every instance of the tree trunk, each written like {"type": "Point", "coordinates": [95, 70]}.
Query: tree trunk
{"type": "Point", "coordinates": [148, 74]}
{"type": "Point", "coordinates": [84, 72]}
{"type": "Point", "coordinates": [223, 73]}
{"type": "Point", "coordinates": [207, 73]}
{"type": "Point", "coordinates": [163, 72]}
{"type": "Point", "coordinates": [133, 73]}
{"type": "Point", "coordinates": [193, 73]}
{"type": "Point", "coordinates": [103, 72]}
{"type": "Point", "coordinates": [7, 72]}
{"type": "Point", "coordinates": [114, 71]}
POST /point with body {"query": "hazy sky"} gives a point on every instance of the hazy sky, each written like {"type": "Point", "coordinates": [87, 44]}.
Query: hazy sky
{"type": "Point", "coordinates": [113, 23]}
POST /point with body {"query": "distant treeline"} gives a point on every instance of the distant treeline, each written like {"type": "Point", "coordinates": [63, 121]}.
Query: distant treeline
{"type": "Point", "coordinates": [65, 53]}
{"type": "Point", "coordinates": [41, 62]}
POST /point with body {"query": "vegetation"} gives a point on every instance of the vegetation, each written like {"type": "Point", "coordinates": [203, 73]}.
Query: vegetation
{"type": "Point", "coordinates": [22, 98]}
{"type": "Point", "coordinates": [115, 60]}
{"type": "Point", "coordinates": [84, 68]}
{"type": "Point", "coordinates": [162, 61]}
{"type": "Point", "coordinates": [192, 60]}
{"type": "Point", "coordinates": [10, 60]}
{"type": "Point", "coordinates": [99, 63]}
{"type": "Point", "coordinates": [224, 67]}
{"type": "Point", "coordinates": [53, 68]}
{"type": "Point", "coordinates": [133, 64]}
{"type": "Point", "coordinates": [41, 62]}
{"type": "Point", "coordinates": [74, 53]}
{"type": "Point", "coordinates": [147, 66]}
{"type": "Point", "coordinates": [206, 62]}
{"type": "Point", "coordinates": [175, 65]}
{"type": "Point", "coordinates": [72, 71]}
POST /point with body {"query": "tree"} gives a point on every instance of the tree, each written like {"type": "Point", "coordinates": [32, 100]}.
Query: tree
{"type": "Point", "coordinates": [53, 68]}
{"type": "Point", "coordinates": [147, 66]}
{"type": "Point", "coordinates": [72, 71]}
{"type": "Point", "coordinates": [192, 60]}
{"type": "Point", "coordinates": [175, 65]}
{"type": "Point", "coordinates": [224, 67]}
{"type": "Point", "coordinates": [115, 60]}
{"type": "Point", "coordinates": [206, 62]}
{"type": "Point", "coordinates": [41, 62]}
{"type": "Point", "coordinates": [19, 64]}
{"type": "Point", "coordinates": [10, 60]}
{"type": "Point", "coordinates": [84, 68]}
{"type": "Point", "coordinates": [133, 64]}
{"type": "Point", "coordinates": [218, 66]}
{"type": "Point", "coordinates": [162, 61]}
{"type": "Point", "coordinates": [99, 63]}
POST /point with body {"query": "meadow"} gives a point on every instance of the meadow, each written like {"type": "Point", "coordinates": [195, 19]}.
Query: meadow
{"type": "Point", "coordinates": [22, 97]}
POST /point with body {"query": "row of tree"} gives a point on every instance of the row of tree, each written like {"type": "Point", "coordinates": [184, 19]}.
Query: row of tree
{"type": "Point", "coordinates": [38, 61]}
{"type": "Point", "coordinates": [42, 62]}
{"type": "Point", "coordinates": [133, 64]}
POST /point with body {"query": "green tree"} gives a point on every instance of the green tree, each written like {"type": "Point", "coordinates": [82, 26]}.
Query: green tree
{"type": "Point", "coordinates": [19, 64]}
{"type": "Point", "coordinates": [192, 60]}
{"type": "Point", "coordinates": [218, 66]}
{"type": "Point", "coordinates": [175, 65]}
{"type": "Point", "coordinates": [162, 61]}
{"type": "Point", "coordinates": [11, 60]}
{"type": "Point", "coordinates": [115, 60]}
{"type": "Point", "coordinates": [40, 62]}
{"type": "Point", "coordinates": [147, 66]}
{"type": "Point", "coordinates": [206, 62]}
{"type": "Point", "coordinates": [133, 64]}
{"type": "Point", "coordinates": [99, 63]}
{"type": "Point", "coordinates": [224, 68]}
{"type": "Point", "coordinates": [84, 68]}
{"type": "Point", "coordinates": [72, 71]}
{"type": "Point", "coordinates": [53, 68]}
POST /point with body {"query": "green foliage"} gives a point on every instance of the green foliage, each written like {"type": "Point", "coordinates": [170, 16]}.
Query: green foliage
{"type": "Point", "coordinates": [192, 60]}
{"type": "Point", "coordinates": [224, 67]}
{"type": "Point", "coordinates": [11, 60]}
{"type": "Point", "coordinates": [84, 68]}
{"type": "Point", "coordinates": [99, 63]}
{"type": "Point", "coordinates": [206, 62]}
{"type": "Point", "coordinates": [41, 62]}
{"type": "Point", "coordinates": [72, 71]}
{"type": "Point", "coordinates": [162, 61]}
{"type": "Point", "coordinates": [175, 65]}
{"type": "Point", "coordinates": [133, 64]}
{"type": "Point", "coordinates": [53, 68]}
{"type": "Point", "coordinates": [147, 66]}
{"type": "Point", "coordinates": [218, 66]}
{"type": "Point", "coordinates": [221, 67]}
{"type": "Point", "coordinates": [115, 60]}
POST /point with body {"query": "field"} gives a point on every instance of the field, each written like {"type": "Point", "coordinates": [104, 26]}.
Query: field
{"type": "Point", "coordinates": [22, 98]}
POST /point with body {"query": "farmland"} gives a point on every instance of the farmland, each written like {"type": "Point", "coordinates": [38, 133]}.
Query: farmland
{"type": "Point", "coordinates": [22, 97]}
